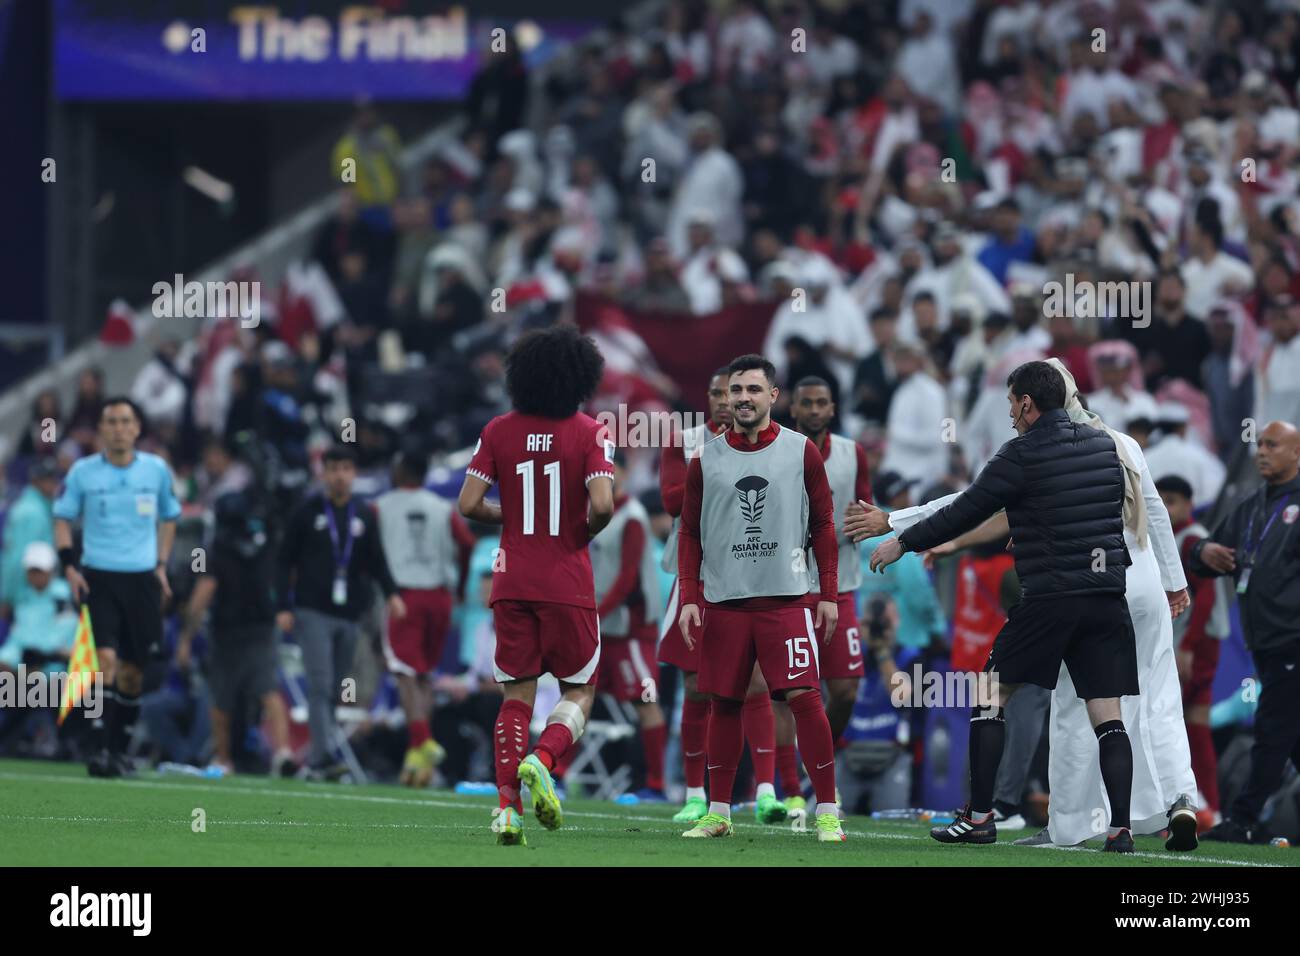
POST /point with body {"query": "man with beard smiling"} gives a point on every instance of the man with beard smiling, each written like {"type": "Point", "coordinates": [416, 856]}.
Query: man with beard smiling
{"type": "Point", "coordinates": [754, 498]}
{"type": "Point", "coordinates": [757, 715]}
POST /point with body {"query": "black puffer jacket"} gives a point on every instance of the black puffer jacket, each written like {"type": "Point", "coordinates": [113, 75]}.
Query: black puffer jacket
{"type": "Point", "coordinates": [1062, 486]}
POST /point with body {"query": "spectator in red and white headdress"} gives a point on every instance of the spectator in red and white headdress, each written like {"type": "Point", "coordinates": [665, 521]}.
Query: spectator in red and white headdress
{"type": "Point", "coordinates": [1120, 395]}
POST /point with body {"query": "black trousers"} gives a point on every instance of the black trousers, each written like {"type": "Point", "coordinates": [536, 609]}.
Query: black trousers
{"type": "Point", "coordinates": [1277, 728]}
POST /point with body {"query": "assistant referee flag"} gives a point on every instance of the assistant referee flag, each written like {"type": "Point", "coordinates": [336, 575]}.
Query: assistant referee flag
{"type": "Point", "coordinates": [82, 666]}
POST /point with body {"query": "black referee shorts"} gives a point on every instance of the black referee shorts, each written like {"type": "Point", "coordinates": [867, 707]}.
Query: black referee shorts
{"type": "Point", "coordinates": [126, 612]}
{"type": "Point", "coordinates": [1091, 633]}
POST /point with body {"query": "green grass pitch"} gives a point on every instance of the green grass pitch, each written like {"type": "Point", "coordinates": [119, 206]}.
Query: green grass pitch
{"type": "Point", "coordinates": [54, 814]}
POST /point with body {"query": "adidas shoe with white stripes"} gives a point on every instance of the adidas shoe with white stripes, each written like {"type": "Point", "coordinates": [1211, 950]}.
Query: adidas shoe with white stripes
{"type": "Point", "coordinates": [965, 830]}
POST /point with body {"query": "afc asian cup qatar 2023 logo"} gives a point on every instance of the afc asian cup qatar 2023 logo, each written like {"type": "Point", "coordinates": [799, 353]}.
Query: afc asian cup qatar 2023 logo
{"type": "Point", "coordinates": [752, 491]}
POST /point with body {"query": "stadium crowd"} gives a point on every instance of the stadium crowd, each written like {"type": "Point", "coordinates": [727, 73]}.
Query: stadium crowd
{"type": "Point", "coordinates": [881, 195]}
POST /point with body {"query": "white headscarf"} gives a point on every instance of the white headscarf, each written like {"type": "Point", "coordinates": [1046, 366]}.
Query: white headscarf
{"type": "Point", "coordinates": [1135, 506]}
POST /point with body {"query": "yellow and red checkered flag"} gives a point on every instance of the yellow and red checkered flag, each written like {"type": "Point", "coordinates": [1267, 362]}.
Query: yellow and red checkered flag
{"type": "Point", "coordinates": [82, 666]}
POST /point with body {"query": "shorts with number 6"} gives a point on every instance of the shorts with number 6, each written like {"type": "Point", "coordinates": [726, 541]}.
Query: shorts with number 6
{"type": "Point", "coordinates": [781, 640]}
{"type": "Point", "coordinates": [628, 669]}
{"type": "Point", "coordinates": [842, 657]}
{"type": "Point", "coordinates": [543, 637]}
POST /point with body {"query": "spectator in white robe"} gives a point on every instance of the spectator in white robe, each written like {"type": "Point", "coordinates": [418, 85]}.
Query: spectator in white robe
{"type": "Point", "coordinates": [916, 428]}
{"type": "Point", "coordinates": [712, 184]}
{"type": "Point", "coordinates": [1277, 387]}
{"type": "Point", "coordinates": [1179, 453]}
{"type": "Point", "coordinates": [708, 265]}
{"type": "Point", "coordinates": [822, 311]}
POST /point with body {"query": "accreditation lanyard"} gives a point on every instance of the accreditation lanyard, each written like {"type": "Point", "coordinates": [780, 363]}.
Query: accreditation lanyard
{"type": "Point", "coordinates": [1249, 553]}
{"type": "Point", "coordinates": [342, 553]}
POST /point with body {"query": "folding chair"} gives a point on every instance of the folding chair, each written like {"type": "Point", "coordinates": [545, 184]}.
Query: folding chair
{"type": "Point", "coordinates": [588, 767]}
{"type": "Point", "coordinates": [293, 681]}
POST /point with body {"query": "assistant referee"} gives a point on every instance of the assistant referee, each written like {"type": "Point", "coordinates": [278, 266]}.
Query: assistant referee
{"type": "Point", "coordinates": [128, 511]}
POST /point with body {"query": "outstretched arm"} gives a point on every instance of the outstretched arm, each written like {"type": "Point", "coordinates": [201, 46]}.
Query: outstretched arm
{"type": "Point", "coordinates": [998, 485]}
{"type": "Point", "coordinates": [994, 529]}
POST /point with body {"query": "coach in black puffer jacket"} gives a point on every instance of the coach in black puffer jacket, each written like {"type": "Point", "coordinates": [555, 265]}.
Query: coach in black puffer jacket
{"type": "Point", "coordinates": [1062, 486]}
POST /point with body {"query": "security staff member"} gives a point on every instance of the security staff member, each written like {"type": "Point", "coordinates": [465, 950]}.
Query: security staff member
{"type": "Point", "coordinates": [1258, 543]}
{"type": "Point", "coordinates": [128, 511]}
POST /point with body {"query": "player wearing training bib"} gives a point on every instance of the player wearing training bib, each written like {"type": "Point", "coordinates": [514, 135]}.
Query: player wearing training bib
{"type": "Point", "coordinates": [554, 470]}
{"type": "Point", "coordinates": [628, 604]}
{"type": "Point", "coordinates": [848, 474]}
{"type": "Point", "coordinates": [427, 545]}
{"type": "Point", "coordinates": [754, 497]}
{"type": "Point", "coordinates": [757, 716]}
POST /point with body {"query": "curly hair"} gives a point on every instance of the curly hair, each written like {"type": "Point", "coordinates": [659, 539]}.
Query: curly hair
{"type": "Point", "coordinates": [551, 372]}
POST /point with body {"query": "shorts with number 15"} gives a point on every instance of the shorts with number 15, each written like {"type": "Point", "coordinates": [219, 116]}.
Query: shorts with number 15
{"type": "Point", "coordinates": [781, 640]}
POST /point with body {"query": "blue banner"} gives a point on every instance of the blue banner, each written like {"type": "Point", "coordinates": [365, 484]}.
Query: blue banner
{"type": "Point", "coordinates": [231, 51]}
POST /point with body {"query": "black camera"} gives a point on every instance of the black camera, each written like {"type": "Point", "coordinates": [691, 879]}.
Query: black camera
{"type": "Point", "coordinates": [877, 620]}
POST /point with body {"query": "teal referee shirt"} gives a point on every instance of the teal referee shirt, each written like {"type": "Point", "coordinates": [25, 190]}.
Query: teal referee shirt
{"type": "Point", "coordinates": [119, 510]}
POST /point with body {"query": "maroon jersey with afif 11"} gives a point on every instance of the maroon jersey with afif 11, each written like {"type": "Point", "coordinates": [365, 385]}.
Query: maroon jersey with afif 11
{"type": "Point", "coordinates": [541, 467]}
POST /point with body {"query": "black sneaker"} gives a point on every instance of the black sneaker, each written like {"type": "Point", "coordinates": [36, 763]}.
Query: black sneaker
{"type": "Point", "coordinates": [1182, 825]}
{"type": "Point", "coordinates": [965, 830]}
{"type": "Point", "coordinates": [1230, 831]}
{"type": "Point", "coordinates": [1121, 842]}
{"type": "Point", "coordinates": [102, 764]}
{"type": "Point", "coordinates": [284, 766]}
{"type": "Point", "coordinates": [326, 773]}
{"type": "Point", "coordinates": [124, 765]}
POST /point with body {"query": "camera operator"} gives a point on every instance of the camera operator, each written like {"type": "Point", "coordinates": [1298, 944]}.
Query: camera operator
{"type": "Point", "coordinates": [875, 766]}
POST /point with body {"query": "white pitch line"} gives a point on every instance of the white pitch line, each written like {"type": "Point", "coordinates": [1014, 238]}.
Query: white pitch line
{"type": "Point", "coordinates": [249, 823]}
{"type": "Point", "coordinates": [332, 794]}
{"type": "Point", "coordinates": [335, 794]}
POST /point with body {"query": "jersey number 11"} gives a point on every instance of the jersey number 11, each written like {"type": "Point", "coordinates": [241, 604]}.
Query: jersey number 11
{"type": "Point", "coordinates": [552, 472]}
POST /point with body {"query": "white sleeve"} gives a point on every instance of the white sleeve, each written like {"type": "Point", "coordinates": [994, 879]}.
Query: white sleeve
{"type": "Point", "coordinates": [1159, 530]}
{"type": "Point", "coordinates": [904, 518]}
